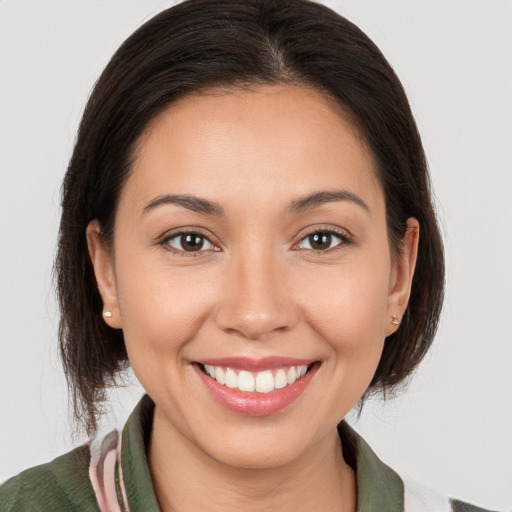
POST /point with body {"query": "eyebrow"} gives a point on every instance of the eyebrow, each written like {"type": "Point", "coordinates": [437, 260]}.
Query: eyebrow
{"type": "Point", "coordinates": [303, 204]}
{"type": "Point", "coordinates": [317, 199]}
{"type": "Point", "coordinates": [193, 203]}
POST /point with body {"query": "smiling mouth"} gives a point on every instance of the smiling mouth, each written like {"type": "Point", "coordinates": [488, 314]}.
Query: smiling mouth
{"type": "Point", "coordinates": [264, 381]}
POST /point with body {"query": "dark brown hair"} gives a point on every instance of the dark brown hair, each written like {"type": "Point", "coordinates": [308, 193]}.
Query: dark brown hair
{"type": "Point", "coordinates": [200, 44]}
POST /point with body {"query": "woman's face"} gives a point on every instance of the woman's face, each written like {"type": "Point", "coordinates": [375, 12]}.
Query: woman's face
{"type": "Point", "coordinates": [250, 243]}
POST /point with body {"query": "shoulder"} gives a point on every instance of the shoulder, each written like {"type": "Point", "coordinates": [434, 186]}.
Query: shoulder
{"type": "Point", "coordinates": [418, 498]}
{"type": "Point", "coordinates": [459, 506]}
{"type": "Point", "coordinates": [381, 488]}
{"type": "Point", "coordinates": [62, 484]}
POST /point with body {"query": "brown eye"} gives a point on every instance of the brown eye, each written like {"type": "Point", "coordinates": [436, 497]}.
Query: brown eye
{"type": "Point", "coordinates": [190, 242]}
{"type": "Point", "coordinates": [320, 241]}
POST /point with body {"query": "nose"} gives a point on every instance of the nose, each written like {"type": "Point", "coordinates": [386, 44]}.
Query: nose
{"type": "Point", "coordinates": [256, 302]}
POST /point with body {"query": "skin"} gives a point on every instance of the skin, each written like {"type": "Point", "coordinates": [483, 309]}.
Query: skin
{"type": "Point", "coordinates": [256, 289]}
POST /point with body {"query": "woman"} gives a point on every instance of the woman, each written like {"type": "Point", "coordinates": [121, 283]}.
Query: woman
{"type": "Point", "coordinates": [247, 220]}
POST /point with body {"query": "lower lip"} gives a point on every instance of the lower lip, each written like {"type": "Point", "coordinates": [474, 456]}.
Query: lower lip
{"type": "Point", "coordinates": [256, 404]}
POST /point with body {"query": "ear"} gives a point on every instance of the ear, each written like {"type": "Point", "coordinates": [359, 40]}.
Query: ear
{"type": "Point", "coordinates": [102, 262]}
{"type": "Point", "coordinates": [401, 275]}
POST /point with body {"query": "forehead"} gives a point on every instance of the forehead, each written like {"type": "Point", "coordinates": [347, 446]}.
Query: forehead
{"type": "Point", "coordinates": [268, 140]}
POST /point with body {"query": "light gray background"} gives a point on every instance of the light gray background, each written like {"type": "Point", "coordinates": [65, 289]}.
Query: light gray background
{"type": "Point", "coordinates": [453, 427]}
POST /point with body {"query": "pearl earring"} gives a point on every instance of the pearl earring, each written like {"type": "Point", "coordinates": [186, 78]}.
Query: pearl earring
{"type": "Point", "coordinates": [107, 314]}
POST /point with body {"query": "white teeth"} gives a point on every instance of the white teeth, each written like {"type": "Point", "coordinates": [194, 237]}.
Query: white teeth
{"type": "Point", "coordinates": [280, 379]}
{"type": "Point", "coordinates": [291, 376]}
{"type": "Point", "coordinates": [261, 382]}
{"type": "Point", "coordinates": [220, 376]}
{"type": "Point", "coordinates": [231, 379]}
{"type": "Point", "coordinates": [245, 381]}
{"type": "Point", "coordinates": [210, 370]}
{"type": "Point", "coordinates": [264, 382]}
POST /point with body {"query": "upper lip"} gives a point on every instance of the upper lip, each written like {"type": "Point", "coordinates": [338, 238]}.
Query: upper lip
{"type": "Point", "coordinates": [255, 365]}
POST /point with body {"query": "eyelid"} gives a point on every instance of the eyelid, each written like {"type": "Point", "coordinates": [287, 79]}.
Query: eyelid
{"type": "Point", "coordinates": [164, 239]}
{"type": "Point", "coordinates": [344, 235]}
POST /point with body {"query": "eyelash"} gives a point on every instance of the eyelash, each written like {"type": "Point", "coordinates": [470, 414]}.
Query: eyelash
{"type": "Point", "coordinates": [164, 242]}
{"type": "Point", "coordinates": [344, 237]}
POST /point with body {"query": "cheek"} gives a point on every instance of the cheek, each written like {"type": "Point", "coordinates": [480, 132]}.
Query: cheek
{"type": "Point", "coordinates": [351, 318]}
{"type": "Point", "coordinates": [352, 304]}
{"type": "Point", "coordinates": [161, 308]}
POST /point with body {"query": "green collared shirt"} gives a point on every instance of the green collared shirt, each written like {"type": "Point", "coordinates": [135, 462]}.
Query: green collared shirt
{"type": "Point", "coordinates": [65, 485]}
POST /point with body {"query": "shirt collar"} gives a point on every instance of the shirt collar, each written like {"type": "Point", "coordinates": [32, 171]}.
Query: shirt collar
{"type": "Point", "coordinates": [136, 475]}
{"type": "Point", "coordinates": [379, 488]}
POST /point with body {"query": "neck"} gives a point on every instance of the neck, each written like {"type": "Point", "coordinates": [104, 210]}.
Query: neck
{"type": "Point", "coordinates": [185, 478]}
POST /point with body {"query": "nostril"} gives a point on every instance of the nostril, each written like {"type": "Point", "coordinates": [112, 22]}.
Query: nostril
{"type": "Point", "coordinates": [255, 308]}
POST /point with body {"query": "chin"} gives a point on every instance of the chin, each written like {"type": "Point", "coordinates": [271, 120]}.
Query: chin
{"type": "Point", "coordinates": [255, 456]}
{"type": "Point", "coordinates": [262, 446]}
